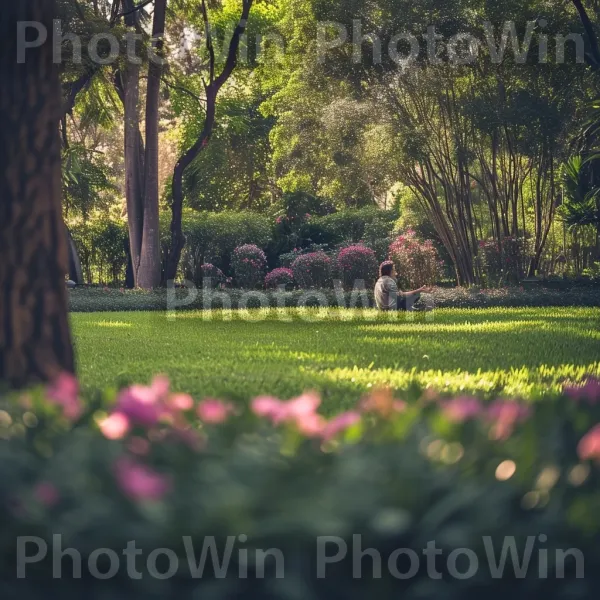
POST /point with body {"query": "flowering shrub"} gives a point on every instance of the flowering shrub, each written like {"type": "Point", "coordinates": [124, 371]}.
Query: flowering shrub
{"type": "Point", "coordinates": [417, 263]}
{"type": "Point", "coordinates": [249, 263]}
{"type": "Point", "coordinates": [281, 276]}
{"type": "Point", "coordinates": [312, 270]}
{"type": "Point", "coordinates": [357, 263]}
{"type": "Point", "coordinates": [152, 466]}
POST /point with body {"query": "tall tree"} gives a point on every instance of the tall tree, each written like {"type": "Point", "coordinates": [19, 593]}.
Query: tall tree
{"type": "Point", "coordinates": [212, 89]}
{"type": "Point", "coordinates": [35, 343]}
{"type": "Point", "coordinates": [149, 270]}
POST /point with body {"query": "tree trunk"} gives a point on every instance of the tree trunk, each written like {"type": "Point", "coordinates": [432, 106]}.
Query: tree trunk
{"type": "Point", "coordinates": [133, 163]}
{"type": "Point", "coordinates": [212, 91]}
{"type": "Point", "coordinates": [35, 343]}
{"type": "Point", "coordinates": [127, 84]}
{"type": "Point", "coordinates": [75, 270]}
{"type": "Point", "coordinates": [149, 274]}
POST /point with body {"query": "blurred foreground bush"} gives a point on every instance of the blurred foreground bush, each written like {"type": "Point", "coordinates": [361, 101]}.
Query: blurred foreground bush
{"type": "Point", "coordinates": [164, 471]}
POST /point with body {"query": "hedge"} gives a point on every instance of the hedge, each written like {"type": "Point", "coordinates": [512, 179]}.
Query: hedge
{"type": "Point", "coordinates": [108, 299]}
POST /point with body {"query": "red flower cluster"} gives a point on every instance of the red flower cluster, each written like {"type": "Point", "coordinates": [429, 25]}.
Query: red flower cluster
{"type": "Point", "coordinates": [277, 277]}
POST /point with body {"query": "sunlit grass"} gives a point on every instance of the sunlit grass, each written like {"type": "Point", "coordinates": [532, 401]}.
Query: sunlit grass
{"type": "Point", "coordinates": [526, 352]}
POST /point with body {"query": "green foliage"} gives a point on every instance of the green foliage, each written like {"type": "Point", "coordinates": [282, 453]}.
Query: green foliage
{"type": "Point", "coordinates": [102, 244]}
{"type": "Point", "coordinates": [350, 226]}
{"type": "Point", "coordinates": [212, 238]}
{"type": "Point", "coordinates": [581, 200]}
{"type": "Point", "coordinates": [88, 181]}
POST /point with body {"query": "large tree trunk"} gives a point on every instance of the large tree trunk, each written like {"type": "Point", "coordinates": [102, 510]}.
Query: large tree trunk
{"type": "Point", "coordinates": [35, 343]}
{"type": "Point", "coordinates": [149, 272]}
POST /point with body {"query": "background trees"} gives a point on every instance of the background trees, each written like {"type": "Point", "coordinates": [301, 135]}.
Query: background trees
{"type": "Point", "coordinates": [470, 153]}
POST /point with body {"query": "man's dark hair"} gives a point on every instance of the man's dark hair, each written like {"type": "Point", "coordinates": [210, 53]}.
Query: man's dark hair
{"type": "Point", "coordinates": [386, 268]}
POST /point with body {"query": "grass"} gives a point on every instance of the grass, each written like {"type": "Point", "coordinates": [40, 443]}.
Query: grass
{"type": "Point", "coordinates": [526, 352]}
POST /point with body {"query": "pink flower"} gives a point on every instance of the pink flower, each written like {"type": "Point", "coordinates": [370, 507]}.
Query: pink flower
{"type": "Point", "coordinates": [340, 424]}
{"type": "Point", "coordinates": [115, 427]}
{"type": "Point", "coordinates": [140, 405]}
{"type": "Point", "coordinates": [462, 409]}
{"type": "Point", "coordinates": [64, 392]}
{"type": "Point", "coordinates": [589, 391]}
{"type": "Point", "coordinates": [505, 415]}
{"type": "Point", "coordinates": [47, 494]}
{"type": "Point", "coordinates": [310, 424]}
{"type": "Point", "coordinates": [589, 446]}
{"type": "Point", "coordinates": [145, 405]}
{"type": "Point", "coordinates": [300, 407]}
{"type": "Point", "coordinates": [267, 406]}
{"type": "Point", "coordinates": [140, 482]}
{"type": "Point", "coordinates": [214, 411]}
{"type": "Point", "coordinates": [180, 402]}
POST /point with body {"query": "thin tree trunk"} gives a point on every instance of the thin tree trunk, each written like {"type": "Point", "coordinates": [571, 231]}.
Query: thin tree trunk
{"type": "Point", "coordinates": [212, 91]}
{"type": "Point", "coordinates": [149, 272]}
{"type": "Point", "coordinates": [127, 84]}
{"type": "Point", "coordinates": [75, 271]}
{"type": "Point", "coordinates": [35, 343]}
{"type": "Point", "coordinates": [133, 163]}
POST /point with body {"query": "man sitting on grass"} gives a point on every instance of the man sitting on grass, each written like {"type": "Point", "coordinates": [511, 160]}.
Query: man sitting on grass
{"type": "Point", "coordinates": [387, 296]}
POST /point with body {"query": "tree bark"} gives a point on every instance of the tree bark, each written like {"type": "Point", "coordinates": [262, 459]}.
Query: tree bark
{"type": "Point", "coordinates": [127, 84]}
{"type": "Point", "coordinates": [75, 270]}
{"type": "Point", "coordinates": [35, 342]}
{"type": "Point", "coordinates": [149, 272]}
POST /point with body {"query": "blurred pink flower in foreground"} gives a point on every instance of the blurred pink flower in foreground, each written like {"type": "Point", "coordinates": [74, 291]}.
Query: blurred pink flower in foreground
{"type": "Point", "coordinates": [64, 392]}
{"type": "Point", "coordinates": [115, 426]}
{"type": "Point", "coordinates": [462, 409]}
{"type": "Point", "coordinates": [214, 411]}
{"type": "Point", "coordinates": [299, 408]}
{"type": "Point", "coordinates": [47, 494]}
{"type": "Point", "coordinates": [589, 446]}
{"type": "Point", "coordinates": [505, 415]}
{"type": "Point", "coordinates": [140, 482]}
{"type": "Point", "coordinates": [590, 391]}
{"type": "Point", "coordinates": [144, 405]}
{"type": "Point", "coordinates": [267, 407]}
{"type": "Point", "coordinates": [181, 402]}
{"type": "Point", "coordinates": [382, 401]}
{"type": "Point", "coordinates": [340, 424]}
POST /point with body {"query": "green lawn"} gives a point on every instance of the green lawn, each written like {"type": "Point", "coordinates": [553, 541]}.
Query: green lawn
{"type": "Point", "coordinates": [512, 351]}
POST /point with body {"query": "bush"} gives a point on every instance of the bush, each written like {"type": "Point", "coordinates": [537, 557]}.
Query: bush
{"type": "Point", "coordinates": [148, 465]}
{"type": "Point", "coordinates": [348, 226]}
{"type": "Point", "coordinates": [212, 238]}
{"type": "Point", "coordinates": [249, 263]}
{"type": "Point", "coordinates": [357, 263]}
{"type": "Point", "coordinates": [102, 245]}
{"type": "Point", "coordinates": [312, 270]}
{"type": "Point", "coordinates": [417, 263]}
{"type": "Point", "coordinates": [113, 300]}
{"type": "Point", "coordinates": [278, 277]}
